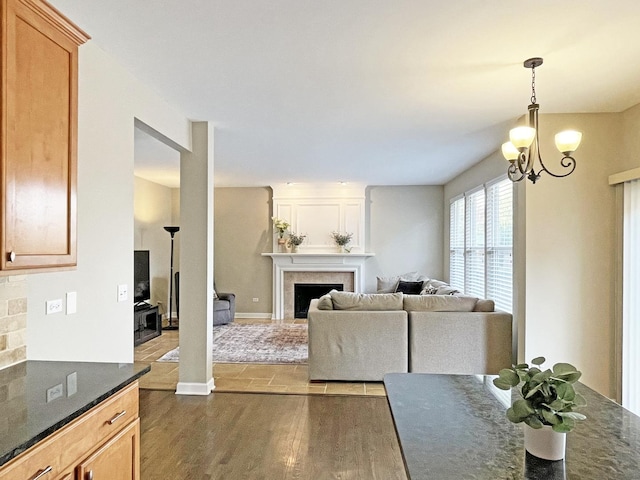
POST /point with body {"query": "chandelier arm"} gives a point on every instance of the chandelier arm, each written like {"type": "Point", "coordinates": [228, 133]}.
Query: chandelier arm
{"type": "Point", "coordinates": [514, 172]}
{"type": "Point", "coordinates": [566, 162]}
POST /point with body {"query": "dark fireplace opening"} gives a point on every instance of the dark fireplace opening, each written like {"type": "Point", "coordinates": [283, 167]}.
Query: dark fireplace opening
{"type": "Point", "coordinates": [303, 293]}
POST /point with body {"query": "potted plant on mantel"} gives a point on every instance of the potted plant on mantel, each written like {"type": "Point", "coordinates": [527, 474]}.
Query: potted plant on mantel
{"type": "Point", "coordinates": [546, 406]}
{"type": "Point", "coordinates": [342, 240]}
{"type": "Point", "coordinates": [281, 227]}
{"type": "Point", "coordinates": [294, 241]}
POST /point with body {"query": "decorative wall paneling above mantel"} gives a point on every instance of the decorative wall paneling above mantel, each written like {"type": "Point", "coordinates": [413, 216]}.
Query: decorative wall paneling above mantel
{"type": "Point", "coordinates": [318, 210]}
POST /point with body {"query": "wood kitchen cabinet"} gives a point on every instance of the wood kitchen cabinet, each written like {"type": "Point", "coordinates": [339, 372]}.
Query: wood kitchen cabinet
{"type": "Point", "coordinates": [38, 136]}
{"type": "Point", "coordinates": [103, 443]}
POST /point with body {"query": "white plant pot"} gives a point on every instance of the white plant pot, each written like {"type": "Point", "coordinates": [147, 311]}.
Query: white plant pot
{"type": "Point", "coordinates": [545, 443]}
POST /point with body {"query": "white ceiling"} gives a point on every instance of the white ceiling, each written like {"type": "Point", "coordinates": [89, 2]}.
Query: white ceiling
{"type": "Point", "coordinates": [391, 92]}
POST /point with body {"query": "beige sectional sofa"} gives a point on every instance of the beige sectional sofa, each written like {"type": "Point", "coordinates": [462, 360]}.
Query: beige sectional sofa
{"type": "Point", "coordinates": [361, 337]}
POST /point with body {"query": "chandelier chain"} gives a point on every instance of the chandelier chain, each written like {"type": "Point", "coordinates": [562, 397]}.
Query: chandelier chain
{"type": "Point", "coordinates": [533, 85]}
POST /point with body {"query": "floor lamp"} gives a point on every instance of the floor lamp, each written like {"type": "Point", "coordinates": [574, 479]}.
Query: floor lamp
{"type": "Point", "coordinates": [172, 231]}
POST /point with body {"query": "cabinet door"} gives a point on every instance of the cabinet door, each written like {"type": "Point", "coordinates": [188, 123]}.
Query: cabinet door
{"type": "Point", "coordinates": [117, 459]}
{"type": "Point", "coordinates": [39, 131]}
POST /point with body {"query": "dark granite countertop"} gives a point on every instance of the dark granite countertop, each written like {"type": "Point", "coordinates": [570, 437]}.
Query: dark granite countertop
{"type": "Point", "coordinates": [454, 426]}
{"type": "Point", "coordinates": [37, 398]}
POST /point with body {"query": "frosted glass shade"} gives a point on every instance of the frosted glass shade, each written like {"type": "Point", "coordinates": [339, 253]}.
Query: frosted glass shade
{"type": "Point", "coordinates": [509, 151]}
{"type": "Point", "coordinates": [521, 137]}
{"type": "Point", "coordinates": [568, 141]}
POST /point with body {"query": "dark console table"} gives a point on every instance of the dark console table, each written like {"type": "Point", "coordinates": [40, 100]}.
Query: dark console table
{"type": "Point", "coordinates": [146, 323]}
{"type": "Point", "coordinates": [454, 427]}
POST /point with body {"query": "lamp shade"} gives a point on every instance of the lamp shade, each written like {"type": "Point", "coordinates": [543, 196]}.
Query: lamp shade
{"type": "Point", "coordinates": [568, 141]}
{"type": "Point", "coordinates": [521, 137]}
{"type": "Point", "coordinates": [509, 151]}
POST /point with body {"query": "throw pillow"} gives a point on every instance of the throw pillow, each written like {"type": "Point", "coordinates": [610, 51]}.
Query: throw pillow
{"type": "Point", "coordinates": [429, 290]}
{"type": "Point", "coordinates": [366, 301]}
{"type": "Point", "coordinates": [446, 290]}
{"type": "Point", "coordinates": [387, 284]}
{"type": "Point", "coordinates": [438, 303]}
{"type": "Point", "coordinates": [325, 303]}
{"type": "Point", "coordinates": [215, 295]}
{"type": "Point", "coordinates": [410, 288]}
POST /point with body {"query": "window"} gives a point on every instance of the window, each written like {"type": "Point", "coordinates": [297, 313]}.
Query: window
{"type": "Point", "coordinates": [456, 244]}
{"type": "Point", "coordinates": [481, 243]}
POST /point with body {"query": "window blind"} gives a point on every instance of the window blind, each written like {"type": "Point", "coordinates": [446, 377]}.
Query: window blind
{"type": "Point", "coordinates": [481, 243]}
{"type": "Point", "coordinates": [456, 244]}
{"type": "Point", "coordinates": [500, 244]}
{"type": "Point", "coordinates": [474, 280]}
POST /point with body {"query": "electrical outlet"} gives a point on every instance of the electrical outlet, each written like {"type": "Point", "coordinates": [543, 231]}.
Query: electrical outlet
{"type": "Point", "coordinates": [54, 392]}
{"type": "Point", "coordinates": [54, 306]}
{"type": "Point", "coordinates": [256, 299]}
{"type": "Point", "coordinates": [123, 293]}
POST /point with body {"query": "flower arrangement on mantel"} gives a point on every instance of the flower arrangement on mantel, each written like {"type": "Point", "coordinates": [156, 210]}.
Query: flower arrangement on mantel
{"type": "Point", "coordinates": [280, 226]}
{"type": "Point", "coordinates": [342, 240]}
{"type": "Point", "coordinates": [295, 240]}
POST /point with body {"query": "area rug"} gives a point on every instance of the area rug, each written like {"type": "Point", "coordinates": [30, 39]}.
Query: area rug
{"type": "Point", "coordinates": [255, 343]}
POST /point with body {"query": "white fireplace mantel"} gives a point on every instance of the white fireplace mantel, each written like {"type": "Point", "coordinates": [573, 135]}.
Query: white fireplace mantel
{"type": "Point", "coordinates": [313, 262]}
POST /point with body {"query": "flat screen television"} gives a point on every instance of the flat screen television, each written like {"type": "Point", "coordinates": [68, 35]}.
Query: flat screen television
{"type": "Point", "coordinates": [141, 280]}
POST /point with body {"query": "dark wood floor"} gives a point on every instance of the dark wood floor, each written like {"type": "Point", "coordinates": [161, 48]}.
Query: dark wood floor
{"type": "Point", "coordinates": [230, 436]}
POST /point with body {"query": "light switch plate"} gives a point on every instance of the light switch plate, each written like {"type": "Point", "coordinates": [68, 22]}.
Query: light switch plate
{"type": "Point", "coordinates": [72, 384]}
{"type": "Point", "coordinates": [72, 302]}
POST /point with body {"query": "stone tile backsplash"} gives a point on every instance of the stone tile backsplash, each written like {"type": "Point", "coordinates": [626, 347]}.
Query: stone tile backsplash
{"type": "Point", "coordinates": [13, 320]}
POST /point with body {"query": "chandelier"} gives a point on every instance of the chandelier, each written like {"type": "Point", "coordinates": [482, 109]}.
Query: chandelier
{"type": "Point", "coordinates": [524, 146]}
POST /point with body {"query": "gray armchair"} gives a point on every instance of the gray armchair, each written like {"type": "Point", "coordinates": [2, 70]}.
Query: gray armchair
{"type": "Point", "coordinates": [224, 307]}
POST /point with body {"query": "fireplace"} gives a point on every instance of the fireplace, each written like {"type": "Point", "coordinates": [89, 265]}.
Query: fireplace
{"type": "Point", "coordinates": [317, 268]}
{"type": "Point", "coordinates": [303, 293]}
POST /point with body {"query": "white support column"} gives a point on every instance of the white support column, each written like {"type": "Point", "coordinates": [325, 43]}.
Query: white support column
{"type": "Point", "coordinates": [196, 264]}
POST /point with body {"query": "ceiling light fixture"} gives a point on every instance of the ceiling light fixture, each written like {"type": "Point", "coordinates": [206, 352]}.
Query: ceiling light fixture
{"type": "Point", "coordinates": [524, 145]}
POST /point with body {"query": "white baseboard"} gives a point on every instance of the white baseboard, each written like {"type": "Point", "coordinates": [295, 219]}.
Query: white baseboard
{"type": "Point", "coordinates": [253, 315]}
{"type": "Point", "coordinates": [189, 388]}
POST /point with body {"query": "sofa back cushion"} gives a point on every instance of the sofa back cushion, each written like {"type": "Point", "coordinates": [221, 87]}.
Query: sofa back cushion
{"type": "Point", "coordinates": [366, 301]}
{"type": "Point", "coordinates": [325, 303]}
{"type": "Point", "coordinates": [439, 303]}
{"type": "Point", "coordinates": [484, 305]}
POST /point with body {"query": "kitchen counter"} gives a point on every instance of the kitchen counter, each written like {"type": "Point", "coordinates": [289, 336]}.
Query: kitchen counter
{"type": "Point", "coordinates": [455, 426]}
{"type": "Point", "coordinates": [37, 398]}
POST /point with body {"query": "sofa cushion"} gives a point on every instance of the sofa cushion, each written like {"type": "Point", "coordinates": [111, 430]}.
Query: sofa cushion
{"type": "Point", "coordinates": [387, 284]}
{"type": "Point", "coordinates": [411, 288]}
{"type": "Point", "coordinates": [484, 305]}
{"type": "Point", "coordinates": [439, 303]}
{"type": "Point", "coordinates": [325, 303]}
{"type": "Point", "coordinates": [429, 290]}
{"type": "Point", "coordinates": [446, 290]}
{"type": "Point", "coordinates": [366, 301]}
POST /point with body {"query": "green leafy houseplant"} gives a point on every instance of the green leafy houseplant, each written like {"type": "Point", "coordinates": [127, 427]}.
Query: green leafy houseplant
{"type": "Point", "coordinates": [548, 397]}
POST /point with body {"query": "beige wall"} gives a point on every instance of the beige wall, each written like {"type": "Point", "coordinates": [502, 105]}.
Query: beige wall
{"type": "Point", "coordinates": [242, 233]}
{"type": "Point", "coordinates": [152, 210]}
{"type": "Point", "coordinates": [571, 250]}
{"type": "Point", "coordinates": [404, 230]}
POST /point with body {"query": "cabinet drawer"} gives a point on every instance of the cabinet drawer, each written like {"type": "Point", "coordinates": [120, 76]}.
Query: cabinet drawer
{"type": "Point", "coordinates": [70, 444]}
